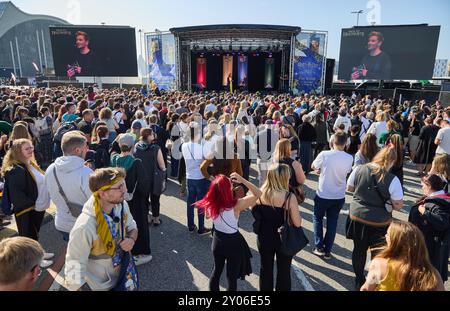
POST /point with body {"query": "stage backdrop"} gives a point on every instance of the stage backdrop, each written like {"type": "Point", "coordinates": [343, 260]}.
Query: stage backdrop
{"type": "Point", "coordinates": [270, 72]}
{"type": "Point", "coordinates": [243, 71]}
{"type": "Point", "coordinates": [227, 69]}
{"type": "Point", "coordinates": [161, 60]}
{"type": "Point", "coordinates": [201, 71]}
{"type": "Point", "coordinates": [309, 62]}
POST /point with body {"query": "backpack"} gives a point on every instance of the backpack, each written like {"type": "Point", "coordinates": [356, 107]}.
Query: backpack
{"type": "Point", "coordinates": [63, 129]}
{"type": "Point", "coordinates": [42, 127]}
{"type": "Point", "coordinates": [7, 207]}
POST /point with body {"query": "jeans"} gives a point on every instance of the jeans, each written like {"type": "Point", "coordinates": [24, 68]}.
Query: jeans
{"type": "Point", "coordinates": [331, 209]}
{"type": "Point", "coordinates": [196, 191]}
{"type": "Point", "coordinates": [306, 155]}
{"type": "Point", "coordinates": [112, 136]}
{"type": "Point", "coordinates": [225, 248]}
{"type": "Point", "coordinates": [174, 167]}
{"type": "Point", "coordinates": [283, 278]}
{"type": "Point", "coordinates": [365, 238]}
{"type": "Point", "coordinates": [155, 204]}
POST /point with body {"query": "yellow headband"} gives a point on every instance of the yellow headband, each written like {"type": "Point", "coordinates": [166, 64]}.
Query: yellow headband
{"type": "Point", "coordinates": [103, 230]}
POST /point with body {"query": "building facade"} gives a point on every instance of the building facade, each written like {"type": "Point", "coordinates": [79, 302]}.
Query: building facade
{"type": "Point", "coordinates": [441, 68]}
{"type": "Point", "coordinates": [25, 46]}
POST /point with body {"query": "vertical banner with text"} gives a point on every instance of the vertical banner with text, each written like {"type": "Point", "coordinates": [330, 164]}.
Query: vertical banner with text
{"type": "Point", "coordinates": [243, 71]}
{"type": "Point", "coordinates": [161, 60]}
{"type": "Point", "coordinates": [309, 62]}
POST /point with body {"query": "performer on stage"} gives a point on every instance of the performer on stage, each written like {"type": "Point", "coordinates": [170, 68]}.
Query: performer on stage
{"type": "Point", "coordinates": [376, 64]}
{"type": "Point", "coordinates": [230, 83]}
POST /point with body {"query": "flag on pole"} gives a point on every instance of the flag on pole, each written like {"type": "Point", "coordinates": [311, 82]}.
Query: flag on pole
{"type": "Point", "coordinates": [13, 77]}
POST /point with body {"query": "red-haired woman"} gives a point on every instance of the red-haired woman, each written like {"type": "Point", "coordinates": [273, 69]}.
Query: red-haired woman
{"type": "Point", "coordinates": [228, 244]}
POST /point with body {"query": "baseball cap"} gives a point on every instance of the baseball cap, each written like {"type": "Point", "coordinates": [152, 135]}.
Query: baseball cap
{"type": "Point", "coordinates": [126, 140]}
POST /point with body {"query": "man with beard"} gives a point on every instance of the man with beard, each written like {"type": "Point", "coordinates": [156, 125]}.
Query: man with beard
{"type": "Point", "coordinates": [96, 243]}
{"type": "Point", "coordinates": [375, 65]}
{"type": "Point", "coordinates": [84, 60]}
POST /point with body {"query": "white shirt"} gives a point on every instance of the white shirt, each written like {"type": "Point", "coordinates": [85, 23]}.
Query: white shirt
{"type": "Point", "coordinates": [444, 136]}
{"type": "Point", "coordinates": [117, 115]}
{"type": "Point", "coordinates": [343, 120]}
{"type": "Point", "coordinates": [395, 188]}
{"type": "Point", "coordinates": [378, 128]}
{"type": "Point", "coordinates": [364, 127]}
{"type": "Point", "coordinates": [226, 222]}
{"type": "Point", "coordinates": [43, 199]}
{"type": "Point", "coordinates": [143, 123]}
{"type": "Point", "coordinates": [210, 107]}
{"type": "Point", "coordinates": [209, 146]}
{"type": "Point", "coordinates": [193, 155]}
{"type": "Point", "coordinates": [334, 167]}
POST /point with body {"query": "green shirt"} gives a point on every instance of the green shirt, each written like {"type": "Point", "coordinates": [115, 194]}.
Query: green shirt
{"type": "Point", "coordinates": [5, 127]}
{"type": "Point", "coordinates": [385, 136]}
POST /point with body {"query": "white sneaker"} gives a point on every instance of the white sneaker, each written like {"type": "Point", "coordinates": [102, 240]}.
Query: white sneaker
{"type": "Point", "coordinates": [46, 263]}
{"type": "Point", "coordinates": [48, 256]}
{"type": "Point", "coordinates": [142, 259]}
{"type": "Point", "coordinates": [345, 212]}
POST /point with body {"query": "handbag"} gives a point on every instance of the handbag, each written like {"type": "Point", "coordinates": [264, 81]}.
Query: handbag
{"type": "Point", "coordinates": [74, 208]}
{"type": "Point", "coordinates": [7, 207]}
{"type": "Point", "coordinates": [128, 279]}
{"type": "Point", "coordinates": [159, 178]}
{"type": "Point", "coordinates": [129, 195]}
{"type": "Point", "coordinates": [293, 239]}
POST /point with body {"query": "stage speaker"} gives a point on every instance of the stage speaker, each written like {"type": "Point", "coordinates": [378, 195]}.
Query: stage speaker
{"type": "Point", "coordinates": [329, 72]}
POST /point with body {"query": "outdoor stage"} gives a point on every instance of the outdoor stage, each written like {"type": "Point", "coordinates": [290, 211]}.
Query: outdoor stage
{"type": "Point", "coordinates": [249, 71]}
{"type": "Point", "coordinates": [253, 57]}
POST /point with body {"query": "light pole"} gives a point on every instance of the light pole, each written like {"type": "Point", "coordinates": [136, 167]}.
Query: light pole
{"type": "Point", "coordinates": [140, 41]}
{"type": "Point", "coordinates": [357, 16]}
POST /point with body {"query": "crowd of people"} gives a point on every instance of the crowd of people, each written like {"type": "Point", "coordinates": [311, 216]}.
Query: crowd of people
{"type": "Point", "coordinates": [102, 158]}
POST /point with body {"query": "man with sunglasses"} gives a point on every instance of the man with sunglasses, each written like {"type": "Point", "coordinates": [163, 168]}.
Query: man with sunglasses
{"type": "Point", "coordinates": [20, 259]}
{"type": "Point", "coordinates": [102, 234]}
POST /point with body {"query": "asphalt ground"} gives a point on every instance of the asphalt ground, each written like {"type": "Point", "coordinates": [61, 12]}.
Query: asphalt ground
{"type": "Point", "coordinates": [182, 261]}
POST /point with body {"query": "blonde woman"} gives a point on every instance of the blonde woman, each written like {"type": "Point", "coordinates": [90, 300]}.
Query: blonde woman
{"type": "Point", "coordinates": [106, 116]}
{"type": "Point", "coordinates": [380, 126]}
{"type": "Point", "coordinates": [441, 167]}
{"type": "Point", "coordinates": [398, 268]}
{"type": "Point", "coordinates": [212, 134]}
{"type": "Point", "coordinates": [376, 193]}
{"type": "Point", "coordinates": [282, 155]}
{"type": "Point", "coordinates": [20, 130]}
{"type": "Point", "coordinates": [26, 190]}
{"type": "Point", "coordinates": [269, 214]}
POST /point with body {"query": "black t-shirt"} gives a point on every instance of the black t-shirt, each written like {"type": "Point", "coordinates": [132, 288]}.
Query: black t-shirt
{"type": "Point", "coordinates": [87, 63]}
{"type": "Point", "coordinates": [355, 141]}
{"type": "Point", "coordinates": [378, 67]}
{"type": "Point", "coordinates": [85, 127]}
{"type": "Point", "coordinates": [416, 127]}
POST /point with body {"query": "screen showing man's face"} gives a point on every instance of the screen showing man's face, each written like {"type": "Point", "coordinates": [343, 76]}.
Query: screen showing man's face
{"type": "Point", "coordinates": [81, 42]}
{"type": "Point", "coordinates": [373, 43]}
{"type": "Point", "coordinates": [315, 45]}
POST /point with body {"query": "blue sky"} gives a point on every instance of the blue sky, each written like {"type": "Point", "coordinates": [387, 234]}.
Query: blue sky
{"type": "Point", "coordinates": [329, 15]}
